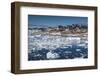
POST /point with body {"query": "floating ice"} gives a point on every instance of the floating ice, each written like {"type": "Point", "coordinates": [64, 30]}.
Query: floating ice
{"type": "Point", "coordinates": [78, 50]}
{"type": "Point", "coordinates": [52, 42]}
{"type": "Point", "coordinates": [51, 55]}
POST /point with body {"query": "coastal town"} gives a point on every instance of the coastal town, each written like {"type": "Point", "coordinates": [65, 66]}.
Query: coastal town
{"type": "Point", "coordinates": [63, 30]}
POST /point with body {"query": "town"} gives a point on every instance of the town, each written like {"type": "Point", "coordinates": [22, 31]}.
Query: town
{"type": "Point", "coordinates": [59, 30]}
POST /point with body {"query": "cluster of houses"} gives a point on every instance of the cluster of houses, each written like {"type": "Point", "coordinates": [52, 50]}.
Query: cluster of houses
{"type": "Point", "coordinates": [59, 30]}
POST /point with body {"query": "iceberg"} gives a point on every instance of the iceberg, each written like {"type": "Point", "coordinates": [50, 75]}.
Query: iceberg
{"type": "Point", "coordinates": [51, 55]}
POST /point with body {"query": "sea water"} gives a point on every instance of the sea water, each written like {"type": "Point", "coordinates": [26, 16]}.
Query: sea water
{"type": "Point", "coordinates": [56, 47]}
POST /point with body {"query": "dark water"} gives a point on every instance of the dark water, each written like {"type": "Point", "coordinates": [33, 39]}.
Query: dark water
{"type": "Point", "coordinates": [68, 52]}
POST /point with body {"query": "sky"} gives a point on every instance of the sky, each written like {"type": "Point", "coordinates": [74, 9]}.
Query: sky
{"type": "Point", "coordinates": [55, 20]}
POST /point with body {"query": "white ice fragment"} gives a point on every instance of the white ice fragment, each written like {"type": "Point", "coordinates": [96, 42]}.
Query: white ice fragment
{"type": "Point", "coordinates": [51, 55]}
{"type": "Point", "coordinates": [78, 50]}
{"type": "Point", "coordinates": [82, 45]}
{"type": "Point", "coordinates": [33, 48]}
{"type": "Point", "coordinates": [67, 52]}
